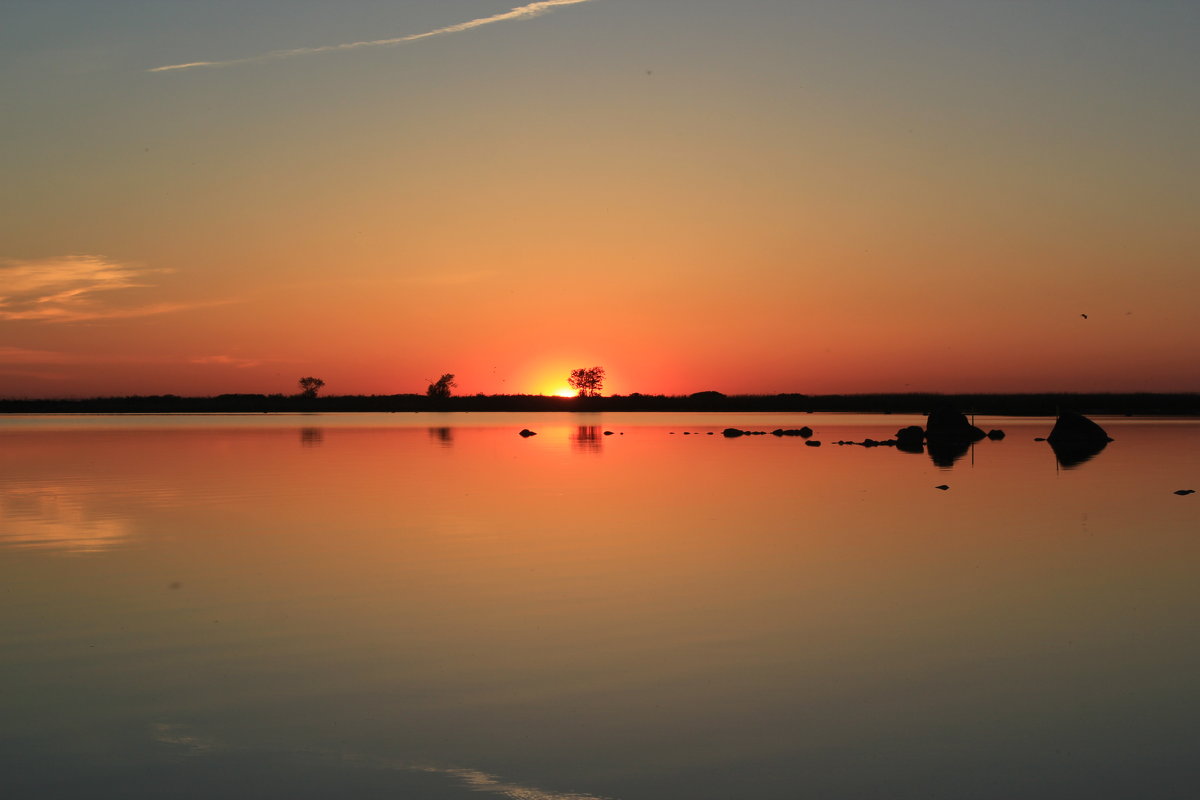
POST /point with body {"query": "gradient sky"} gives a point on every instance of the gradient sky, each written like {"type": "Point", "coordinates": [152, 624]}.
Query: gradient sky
{"type": "Point", "coordinates": [762, 196]}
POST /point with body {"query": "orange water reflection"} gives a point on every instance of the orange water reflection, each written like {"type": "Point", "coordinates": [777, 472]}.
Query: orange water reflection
{"type": "Point", "coordinates": [635, 615]}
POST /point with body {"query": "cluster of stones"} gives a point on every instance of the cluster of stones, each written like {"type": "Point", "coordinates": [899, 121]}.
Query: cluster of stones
{"type": "Point", "coordinates": [872, 443]}
{"type": "Point", "coordinates": [804, 433]}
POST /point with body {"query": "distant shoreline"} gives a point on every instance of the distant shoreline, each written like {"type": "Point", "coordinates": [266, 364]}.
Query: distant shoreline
{"type": "Point", "coordinates": [1021, 404]}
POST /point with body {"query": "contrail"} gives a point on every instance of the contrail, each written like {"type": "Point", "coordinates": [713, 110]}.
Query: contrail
{"type": "Point", "coordinates": [520, 12]}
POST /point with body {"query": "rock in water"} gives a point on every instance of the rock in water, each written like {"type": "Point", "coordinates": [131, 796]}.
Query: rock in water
{"type": "Point", "coordinates": [732, 433]}
{"type": "Point", "coordinates": [1076, 439]}
{"type": "Point", "coordinates": [1076, 429]}
{"type": "Point", "coordinates": [948, 425]}
{"type": "Point", "coordinates": [527, 433]}
{"type": "Point", "coordinates": [1182, 492]}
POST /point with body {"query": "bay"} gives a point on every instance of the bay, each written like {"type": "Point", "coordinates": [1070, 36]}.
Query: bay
{"type": "Point", "coordinates": [433, 606]}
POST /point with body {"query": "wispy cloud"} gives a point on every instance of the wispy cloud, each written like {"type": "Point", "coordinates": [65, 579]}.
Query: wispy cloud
{"type": "Point", "coordinates": [228, 361]}
{"type": "Point", "coordinates": [520, 12]}
{"type": "Point", "coordinates": [76, 289]}
{"type": "Point", "coordinates": [478, 781]}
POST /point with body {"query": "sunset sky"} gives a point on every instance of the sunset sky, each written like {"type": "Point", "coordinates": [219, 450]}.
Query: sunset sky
{"type": "Point", "coordinates": [754, 197]}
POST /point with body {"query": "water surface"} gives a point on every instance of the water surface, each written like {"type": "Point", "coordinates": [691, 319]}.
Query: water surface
{"type": "Point", "coordinates": [430, 606]}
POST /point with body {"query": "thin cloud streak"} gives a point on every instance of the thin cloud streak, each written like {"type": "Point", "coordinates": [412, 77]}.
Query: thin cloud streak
{"type": "Point", "coordinates": [78, 288]}
{"type": "Point", "coordinates": [228, 361]}
{"type": "Point", "coordinates": [520, 12]}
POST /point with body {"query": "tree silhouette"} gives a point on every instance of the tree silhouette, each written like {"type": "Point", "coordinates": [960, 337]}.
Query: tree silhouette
{"type": "Point", "coordinates": [440, 389]}
{"type": "Point", "coordinates": [588, 381]}
{"type": "Point", "coordinates": [309, 386]}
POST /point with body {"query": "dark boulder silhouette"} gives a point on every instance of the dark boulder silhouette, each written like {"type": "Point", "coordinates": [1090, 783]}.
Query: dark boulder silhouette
{"type": "Point", "coordinates": [949, 435]}
{"type": "Point", "coordinates": [1076, 429]}
{"type": "Point", "coordinates": [995, 434]}
{"type": "Point", "coordinates": [949, 425]}
{"type": "Point", "coordinates": [813, 443]}
{"type": "Point", "coordinates": [1076, 439]}
{"type": "Point", "coordinates": [804, 432]}
{"type": "Point", "coordinates": [943, 487]}
{"type": "Point", "coordinates": [1182, 492]}
{"type": "Point", "coordinates": [527, 433]}
{"type": "Point", "coordinates": [732, 433]}
{"type": "Point", "coordinates": [910, 439]}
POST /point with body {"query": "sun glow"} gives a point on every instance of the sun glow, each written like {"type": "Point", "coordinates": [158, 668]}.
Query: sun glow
{"type": "Point", "coordinates": [566, 391]}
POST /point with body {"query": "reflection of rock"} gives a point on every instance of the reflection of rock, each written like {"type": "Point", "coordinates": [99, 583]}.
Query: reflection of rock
{"type": "Point", "coordinates": [944, 453]}
{"type": "Point", "coordinates": [1072, 455]}
{"type": "Point", "coordinates": [1076, 439]}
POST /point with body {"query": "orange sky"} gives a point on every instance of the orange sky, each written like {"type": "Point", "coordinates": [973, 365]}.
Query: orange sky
{"type": "Point", "coordinates": [768, 198]}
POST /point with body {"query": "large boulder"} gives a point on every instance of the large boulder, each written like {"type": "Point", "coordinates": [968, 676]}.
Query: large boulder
{"type": "Point", "coordinates": [1076, 429]}
{"type": "Point", "coordinates": [911, 439]}
{"type": "Point", "coordinates": [947, 425]}
{"type": "Point", "coordinates": [1076, 439]}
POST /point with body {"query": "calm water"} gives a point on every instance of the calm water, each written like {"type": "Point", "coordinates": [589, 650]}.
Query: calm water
{"type": "Point", "coordinates": [424, 606]}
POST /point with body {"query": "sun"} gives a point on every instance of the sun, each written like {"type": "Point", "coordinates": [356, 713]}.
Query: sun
{"type": "Point", "coordinates": [566, 391]}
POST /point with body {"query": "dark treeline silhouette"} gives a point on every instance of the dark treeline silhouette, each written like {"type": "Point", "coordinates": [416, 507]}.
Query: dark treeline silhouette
{"type": "Point", "coordinates": [1183, 404]}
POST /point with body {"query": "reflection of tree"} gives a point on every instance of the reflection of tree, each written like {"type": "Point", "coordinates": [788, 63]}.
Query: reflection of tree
{"type": "Point", "coordinates": [444, 436]}
{"type": "Point", "coordinates": [587, 439]}
{"type": "Point", "coordinates": [311, 437]}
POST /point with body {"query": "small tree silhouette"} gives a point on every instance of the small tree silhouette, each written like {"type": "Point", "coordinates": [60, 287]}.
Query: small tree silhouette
{"type": "Point", "coordinates": [588, 381]}
{"type": "Point", "coordinates": [440, 389]}
{"type": "Point", "coordinates": [310, 386]}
